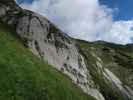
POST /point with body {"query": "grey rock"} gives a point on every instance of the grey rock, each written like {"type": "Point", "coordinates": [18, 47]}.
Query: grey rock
{"type": "Point", "coordinates": [51, 44]}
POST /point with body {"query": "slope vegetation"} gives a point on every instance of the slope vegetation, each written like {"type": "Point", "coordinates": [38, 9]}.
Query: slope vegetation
{"type": "Point", "coordinates": [25, 77]}
{"type": "Point", "coordinates": [111, 66]}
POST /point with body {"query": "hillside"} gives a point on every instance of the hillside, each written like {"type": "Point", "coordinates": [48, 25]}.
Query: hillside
{"type": "Point", "coordinates": [114, 59]}
{"type": "Point", "coordinates": [25, 77]}
{"type": "Point", "coordinates": [40, 62]}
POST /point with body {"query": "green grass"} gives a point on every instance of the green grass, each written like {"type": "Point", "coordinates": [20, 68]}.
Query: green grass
{"type": "Point", "coordinates": [23, 76]}
{"type": "Point", "coordinates": [120, 55]}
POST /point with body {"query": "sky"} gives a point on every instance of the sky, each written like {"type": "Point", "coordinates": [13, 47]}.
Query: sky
{"type": "Point", "coordinates": [125, 8]}
{"type": "Point", "coordinates": [91, 20]}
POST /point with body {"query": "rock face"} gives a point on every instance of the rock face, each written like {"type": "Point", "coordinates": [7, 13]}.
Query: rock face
{"type": "Point", "coordinates": [49, 43]}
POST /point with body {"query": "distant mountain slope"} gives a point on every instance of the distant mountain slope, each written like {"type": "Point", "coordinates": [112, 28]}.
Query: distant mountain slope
{"type": "Point", "coordinates": [111, 66]}
{"type": "Point", "coordinates": [25, 77]}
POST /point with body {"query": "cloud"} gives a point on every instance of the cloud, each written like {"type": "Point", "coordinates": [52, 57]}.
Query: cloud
{"type": "Point", "coordinates": [121, 32]}
{"type": "Point", "coordinates": [83, 19]}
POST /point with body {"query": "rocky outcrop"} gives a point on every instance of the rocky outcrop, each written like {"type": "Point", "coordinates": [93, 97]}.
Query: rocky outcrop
{"type": "Point", "coordinates": [113, 81]}
{"type": "Point", "coordinates": [49, 43]}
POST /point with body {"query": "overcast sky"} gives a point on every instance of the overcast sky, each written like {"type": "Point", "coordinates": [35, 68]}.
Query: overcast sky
{"type": "Point", "coordinates": [91, 20]}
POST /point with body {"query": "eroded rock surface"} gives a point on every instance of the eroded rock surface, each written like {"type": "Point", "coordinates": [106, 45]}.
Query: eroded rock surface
{"type": "Point", "coordinates": [49, 43]}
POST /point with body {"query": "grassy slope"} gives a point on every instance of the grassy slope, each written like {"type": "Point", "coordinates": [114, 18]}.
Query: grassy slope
{"type": "Point", "coordinates": [117, 58]}
{"type": "Point", "coordinates": [25, 77]}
